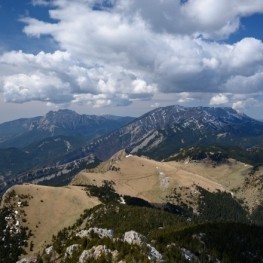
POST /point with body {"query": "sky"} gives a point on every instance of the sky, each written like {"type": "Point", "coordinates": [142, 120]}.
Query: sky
{"type": "Point", "coordinates": [127, 57]}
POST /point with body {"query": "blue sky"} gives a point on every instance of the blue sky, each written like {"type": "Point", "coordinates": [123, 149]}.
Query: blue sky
{"type": "Point", "coordinates": [11, 33]}
{"type": "Point", "coordinates": [125, 57]}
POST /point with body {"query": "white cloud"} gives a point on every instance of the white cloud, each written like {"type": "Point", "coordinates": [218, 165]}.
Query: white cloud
{"type": "Point", "coordinates": [240, 105]}
{"type": "Point", "coordinates": [58, 78]}
{"type": "Point", "coordinates": [246, 54]}
{"type": "Point", "coordinates": [134, 50]}
{"type": "Point", "coordinates": [22, 88]}
{"type": "Point", "coordinates": [185, 97]}
{"type": "Point", "coordinates": [245, 84]}
{"type": "Point", "coordinates": [208, 18]}
{"type": "Point", "coordinates": [219, 99]}
{"type": "Point", "coordinates": [218, 19]}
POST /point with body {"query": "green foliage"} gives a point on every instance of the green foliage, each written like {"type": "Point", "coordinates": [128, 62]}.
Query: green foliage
{"type": "Point", "coordinates": [170, 234]}
{"type": "Point", "coordinates": [11, 242]}
{"type": "Point", "coordinates": [122, 218]}
{"type": "Point", "coordinates": [60, 241]}
{"type": "Point", "coordinates": [135, 201]}
{"type": "Point", "coordinates": [220, 206]}
{"type": "Point", "coordinates": [219, 154]}
{"type": "Point", "coordinates": [228, 242]}
{"type": "Point", "coordinates": [105, 193]}
{"type": "Point", "coordinates": [182, 209]}
{"type": "Point", "coordinates": [213, 154]}
{"type": "Point", "coordinates": [257, 215]}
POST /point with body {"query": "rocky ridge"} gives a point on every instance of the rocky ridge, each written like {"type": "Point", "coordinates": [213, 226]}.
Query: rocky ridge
{"type": "Point", "coordinates": [23, 132]}
{"type": "Point", "coordinates": [99, 251]}
{"type": "Point", "coordinates": [164, 131]}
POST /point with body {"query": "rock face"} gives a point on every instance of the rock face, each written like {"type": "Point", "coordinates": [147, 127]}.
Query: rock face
{"type": "Point", "coordinates": [101, 232]}
{"type": "Point", "coordinates": [133, 237]}
{"type": "Point", "coordinates": [49, 250]}
{"type": "Point", "coordinates": [26, 260]}
{"type": "Point", "coordinates": [70, 250]}
{"type": "Point", "coordinates": [52, 253]}
{"type": "Point", "coordinates": [154, 254]}
{"type": "Point", "coordinates": [95, 253]}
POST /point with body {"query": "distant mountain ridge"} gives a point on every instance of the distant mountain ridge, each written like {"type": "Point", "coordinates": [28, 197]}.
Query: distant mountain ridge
{"type": "Point", "coordinates": [163, 131]}
{"type": "Point", "coordinates": [22, 132]}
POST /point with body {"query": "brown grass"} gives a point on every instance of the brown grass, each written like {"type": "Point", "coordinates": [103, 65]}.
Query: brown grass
{"type": "Point", "coordinates": [153, 180]}
{"type": "Point", "coordinates": [51, 209]}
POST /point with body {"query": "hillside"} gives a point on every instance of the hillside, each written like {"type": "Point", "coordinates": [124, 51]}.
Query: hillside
{"type": "Point", "coordinates": [121, 233]}
{"type": "Point", "coordinates": [161, 182]}
{"type": "Point", "coordinates": [154, 199]}
{"type": "Point", "coordinates": [46, 210]}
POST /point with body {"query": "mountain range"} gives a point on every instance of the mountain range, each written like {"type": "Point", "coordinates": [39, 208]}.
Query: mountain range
{"type": "Point", "coordinates": [63, 137]}
{"type": "Point", "coordinates": [132, 190]}
{"type": "Point", "coordinates": [164, 131]}
{"type": "Point", "coordinates": [23, 132]}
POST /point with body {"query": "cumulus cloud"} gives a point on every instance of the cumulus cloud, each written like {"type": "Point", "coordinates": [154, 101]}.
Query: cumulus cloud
{"type": "Point", "coordinates": [113, 52]}
{"type": "Point", "coordinates": [219, 99]}
{"type": "Point", "coordinates": [22, 88]}
{"type": "Point", "coordinates": [218, 19]}
{"type": "Point", "coordinates": [245, 84]}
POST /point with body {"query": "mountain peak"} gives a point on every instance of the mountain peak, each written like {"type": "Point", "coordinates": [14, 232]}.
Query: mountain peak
{"type": "Point", "coordinates": [60, 112]}
{"type": "Point", "coordinates": [165, 130]}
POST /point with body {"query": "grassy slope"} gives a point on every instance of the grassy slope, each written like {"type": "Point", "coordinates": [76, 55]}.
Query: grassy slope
{"type": "Point", "coordinates": [51, 209]}
{"type": "Point", "coordinates": [153, 181]}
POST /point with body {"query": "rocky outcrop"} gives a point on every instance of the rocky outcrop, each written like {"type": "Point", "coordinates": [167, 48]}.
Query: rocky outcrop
{"type": "Point", "coordinates": [70, 250]}
{"type": "Point", "coordinates": [52, 253]}
{"type": "Point", "coordinates": [96, 252]}
{"type": "Point", "coordinates": [101, 232]}
{"type": "Point", "coordinates": [154, 254]}
{"type": "Point", "coordinates": [27, 260]}
{"type": "Point", "coordinates": [133, 237]}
